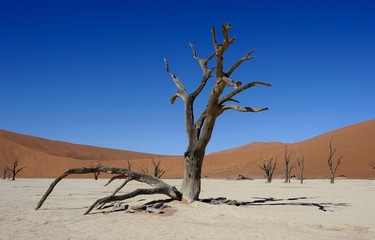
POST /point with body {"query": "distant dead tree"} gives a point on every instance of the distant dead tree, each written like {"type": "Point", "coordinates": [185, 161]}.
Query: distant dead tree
{"type": "Point", "coordinates": [332, 168]}
{"type": "Point", "coordinates": [129, 165]}
{"type": "Point", "coordinates": [268, 168]}
{"type": "Point", "coordinates": [15, 170]}
{"type": "Point", "coordinates": [158, 170]}
{"type": "Point", "coordinates": [96, 174]}
{"type": "Point", "coordinates": [301, 166]}
{"type": "Point", "coordinates": [288, 168]}
{"type": "Point", "coordinates": [5, 170]}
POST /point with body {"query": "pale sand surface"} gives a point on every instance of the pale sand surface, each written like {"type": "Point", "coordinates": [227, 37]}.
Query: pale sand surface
{"type": "Point", "coordinates": [349, 203]}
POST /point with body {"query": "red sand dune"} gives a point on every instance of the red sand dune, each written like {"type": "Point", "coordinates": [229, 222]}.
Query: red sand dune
{"type": "Point", "coordinates": [46, 158]}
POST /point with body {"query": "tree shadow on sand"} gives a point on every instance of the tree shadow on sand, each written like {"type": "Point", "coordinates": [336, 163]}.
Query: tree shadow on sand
{"type": "Point", "coordinates": [270, 201]}
{"type": "Point", "coordinates": [160, 206]}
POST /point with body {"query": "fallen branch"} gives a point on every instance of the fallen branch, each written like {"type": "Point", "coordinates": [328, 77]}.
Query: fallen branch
{"type": "Point", "coordinates": [160, 187]}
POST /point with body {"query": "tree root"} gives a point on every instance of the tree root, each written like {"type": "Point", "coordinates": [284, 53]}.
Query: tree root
{"type": "Point", "coordinates": [160, 187]}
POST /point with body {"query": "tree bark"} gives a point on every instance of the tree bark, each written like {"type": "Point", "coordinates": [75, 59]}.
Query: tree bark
{"type": "Point", "coordinates": [191, 184]}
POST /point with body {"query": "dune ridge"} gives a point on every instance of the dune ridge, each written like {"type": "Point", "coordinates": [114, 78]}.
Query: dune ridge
{"type": "Point", "coordinates": [47, 158]}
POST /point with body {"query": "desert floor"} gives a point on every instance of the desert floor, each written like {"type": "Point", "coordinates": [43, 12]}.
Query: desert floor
{"type": "Point", "coordinates": [295, 212]}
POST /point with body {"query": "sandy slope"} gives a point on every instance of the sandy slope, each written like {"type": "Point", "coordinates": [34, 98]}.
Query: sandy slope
{"type": "Point", "coordinates": [45, 158]}
{"type": "Point", "coordinates": [355, 143]}
{"type": "Point", "coordinates": [349, 204]}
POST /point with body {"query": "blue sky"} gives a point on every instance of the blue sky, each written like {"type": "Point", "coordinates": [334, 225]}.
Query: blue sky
{"type": "Point", "coordinates": [92, 72]}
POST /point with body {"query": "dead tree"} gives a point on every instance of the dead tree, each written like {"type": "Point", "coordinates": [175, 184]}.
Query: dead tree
{"type": "Point", "coordinates": [288, 169]}
{"type": "Point", "coordinates": [291, 167]}
{"type": "Point", "coordinates": [158, 170]}
{"type": "Point", "coordinates": [96, 174]}
{"type": "Point", "coordinates": [301, 167]}
{"type": "Point", "coordinates": [5, 170]}
{"type": "Point", "coordinates": [129, 165]}
{"type": "Point", "coordinates": [15, 170]}
{"type": "Point", "coordinates": [332, 168]}
{"type": "Point", "coordinates": [199, 130]}
{"type": "Point", "coordinates": [268, 167]}
{"type": "Point", "coordinates": [159, 187]}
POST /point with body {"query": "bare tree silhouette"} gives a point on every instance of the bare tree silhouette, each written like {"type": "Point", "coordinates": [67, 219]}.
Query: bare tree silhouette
{"type": "Point", "coordinates": [15, 170]}
{"type": "Point", "coordinates": [301, 167]}
{"type": "Point", "coordinates": [96, 174]}
{"type": "Point", "coordinates": [332, 167]}
{"type": "Point", "coordinates": [268, 167]}
{"type": "Point", "coordinates": [288, 168]}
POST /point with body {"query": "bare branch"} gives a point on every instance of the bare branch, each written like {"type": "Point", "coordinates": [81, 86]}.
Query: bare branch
{"type": "Point", "coordinates": [216, 45]}
{"type": "Point", "coordinates": [242, 109]}
{"type": "Point", "coordinates": [301, 166]}
{"type": "Point", "coordinates": [241, 89]}
{"type": "Point", "coordinates": [158, 170]}
{"type": "Point", "coordinates": [332, 169]}
{"type": "Point", "coordinates": [225, 30]}
{"type": "Point", "coordinates": [202, 62]}
{"type": "Point", "coordinates": [268, 168]}
{"type": "Point", "coordinates": [114, 178]}
{"type": "Point", "coordinates": [231, 83]}
{"type": "Point", "coordinates": [206, 71]}
{"type": "Point", "coordinates": [128, 179]}
{"type": "Point", "coordinates": [239, 62]}
{"type": "Point", "coordinates": [338, 163]}
{"type": "Point", "coordinates": [137, 192]}
{"type": "Point", "coordinates": [181, 92]}
{"type": "Point", "coordinates": [160, 187]}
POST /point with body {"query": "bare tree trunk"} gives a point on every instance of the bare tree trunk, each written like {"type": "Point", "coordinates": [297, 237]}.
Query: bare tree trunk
{"type": "Point", "coordinates": [191, 183]}
{"type": "Point", "coordinates": [290, 171]}
{"type": "Point", "coordinates": [287, 157]}
{"type": "Point", "coordinates": [96, 174]}
{"type": "Point", "coordinates": [199, 130]}
{"type": "Point", "coordinates": [5, 170]}
{"type": "Point", "coordinates": [332, 168]}
{"type": "Point", "coordinates": [158, 170]}
{"type": "Point", "coordinates": [268, 167]}
{"type": "Point", "coordinates": [129, 165]}
{"type": "Point", "coordinates": [14, 170]}
{"type": "Point", "coordinates": [301, 166]}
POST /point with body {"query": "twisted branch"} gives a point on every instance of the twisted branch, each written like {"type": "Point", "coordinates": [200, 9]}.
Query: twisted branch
{"type": "Point", "coordinates": [241, 89]}
{"type": "Point", "coordinates": [242, 109]}
{"type": "Point", "coordinates": [160, 187]}
{"type": "Point", "coordinates": [181, 92]}
{"type": "Point", "coordinates": [239, 62]}
{"type": "Point", "coordinates": [206, 71]}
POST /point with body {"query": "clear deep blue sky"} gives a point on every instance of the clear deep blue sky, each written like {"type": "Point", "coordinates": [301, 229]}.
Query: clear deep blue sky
{"type": "Point", "coordinates": [92, 72]}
